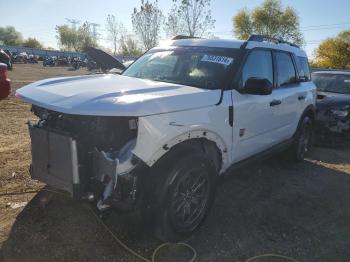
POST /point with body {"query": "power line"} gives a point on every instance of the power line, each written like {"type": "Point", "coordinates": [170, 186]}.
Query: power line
{"type": "Point", "coordinates": [305, 28]}
{"type": "Point", "coordinates": [310, 26]}
{"type": "Point", "coordinates": [74, 22]}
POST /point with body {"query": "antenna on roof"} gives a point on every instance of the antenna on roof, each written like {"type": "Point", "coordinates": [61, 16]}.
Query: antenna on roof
{"type": "Point", "coordinates": [264, 38]}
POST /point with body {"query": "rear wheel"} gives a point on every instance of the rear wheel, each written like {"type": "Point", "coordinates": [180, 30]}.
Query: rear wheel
{"type": "Point", "coordinates": [303, 139]}
{"type": "Point", "coordinates": [184, 194]}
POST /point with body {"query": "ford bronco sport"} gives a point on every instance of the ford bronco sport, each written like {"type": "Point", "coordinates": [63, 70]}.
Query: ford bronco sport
{"type": "Point", "coordinates": [159, 135]}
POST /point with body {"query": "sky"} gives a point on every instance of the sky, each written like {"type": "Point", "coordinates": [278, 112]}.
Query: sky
{"type": "Point", "coordinates": [37, 18]}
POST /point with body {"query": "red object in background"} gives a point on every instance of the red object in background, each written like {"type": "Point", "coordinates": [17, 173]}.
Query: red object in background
{"type": "Point", "coordinates": [5, 87]}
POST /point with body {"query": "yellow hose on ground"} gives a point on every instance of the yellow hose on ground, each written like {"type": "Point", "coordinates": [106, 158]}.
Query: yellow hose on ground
{"type": "Point", "coordinates": [156, 250]}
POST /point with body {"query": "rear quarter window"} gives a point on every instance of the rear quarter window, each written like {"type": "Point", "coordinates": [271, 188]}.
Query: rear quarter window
{"type": "Point", "coordinates": [303, 67]}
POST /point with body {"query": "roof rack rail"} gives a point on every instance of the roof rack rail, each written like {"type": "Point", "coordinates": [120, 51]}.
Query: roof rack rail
{"type": "Point", "coordinates": [262, 38]}
{"type": "Point", "coordinates": [178, 37]}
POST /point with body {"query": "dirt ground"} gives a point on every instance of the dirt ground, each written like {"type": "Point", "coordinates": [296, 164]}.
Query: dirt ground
{"type": "Point", "coordinates": [301, 211]}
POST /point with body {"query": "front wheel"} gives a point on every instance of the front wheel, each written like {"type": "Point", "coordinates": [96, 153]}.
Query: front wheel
{"type": "Point", "coordinates": [184, 194]}
{"type": "Point", "coordinates": [303, 139]}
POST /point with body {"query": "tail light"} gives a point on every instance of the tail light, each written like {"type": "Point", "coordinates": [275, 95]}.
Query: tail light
{"type": "Point", "coordinates": [5, 88]}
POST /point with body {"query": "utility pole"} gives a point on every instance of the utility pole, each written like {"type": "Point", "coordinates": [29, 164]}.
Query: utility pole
{"type": "Point", "coordinates": [95, 34]}
{"type": "Point", "coordinates": [73, 22]}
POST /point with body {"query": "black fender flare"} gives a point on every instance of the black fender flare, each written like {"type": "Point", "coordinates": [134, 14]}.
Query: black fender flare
{"type": "Point", "coordinates": [310, 111]}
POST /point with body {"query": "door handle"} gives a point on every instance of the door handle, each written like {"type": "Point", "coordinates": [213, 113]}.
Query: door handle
{"type": "Point", "coordinates": [275, 102]}
{"type": "Point", "coordinates": [302, 97]}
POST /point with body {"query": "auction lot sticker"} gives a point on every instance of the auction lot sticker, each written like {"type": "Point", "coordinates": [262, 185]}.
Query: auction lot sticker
{"type": "Point", "coordinates": [224, 60]}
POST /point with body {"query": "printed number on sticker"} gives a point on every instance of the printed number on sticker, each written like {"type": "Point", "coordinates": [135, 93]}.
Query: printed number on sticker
{"type": "Point", "coordinates": [224, 60]}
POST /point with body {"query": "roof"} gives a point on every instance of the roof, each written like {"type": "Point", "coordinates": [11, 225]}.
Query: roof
{"type": "Point", "coordinates": [230, 43]}
{"type": "Point", "coordinates": [332, 72]}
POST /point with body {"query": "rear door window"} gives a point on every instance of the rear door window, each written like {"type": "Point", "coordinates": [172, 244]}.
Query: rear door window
{"type": "Point", "coordinates": [303, 68]}
{"type": "Point", "coordinates": [285, 69]}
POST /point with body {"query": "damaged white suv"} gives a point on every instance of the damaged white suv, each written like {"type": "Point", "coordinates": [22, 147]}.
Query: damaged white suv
{"type": "Point", "coordinates": [160, 134]}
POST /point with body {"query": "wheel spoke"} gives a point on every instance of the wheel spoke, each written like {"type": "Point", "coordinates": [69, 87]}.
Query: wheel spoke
{"type": "Point", "coordinates": [186, 212]}
{"type": "Point", "coordinates": [190, 197]}
{"type": "Point", "coordinates": [199, 185]}
{"type": "Point", "coordinates": [180, 206]}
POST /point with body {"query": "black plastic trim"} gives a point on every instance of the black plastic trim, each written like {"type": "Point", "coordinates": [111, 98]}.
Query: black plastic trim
{"type": "Point", "coordinates": [230, 115]}
{"type": "Point", "coordinates": [261, 156]}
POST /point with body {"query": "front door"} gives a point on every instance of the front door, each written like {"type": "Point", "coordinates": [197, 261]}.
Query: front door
{"type": "Point", "coordinates": [254, 116]}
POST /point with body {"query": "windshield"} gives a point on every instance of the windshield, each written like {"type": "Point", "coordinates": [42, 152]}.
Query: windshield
{"type": "Point", "coordinates": [204, 68]}
{"type": "Point", "coordinates": [335, 83]}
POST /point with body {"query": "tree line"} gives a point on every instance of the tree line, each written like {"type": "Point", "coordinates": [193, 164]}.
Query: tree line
{"type": "Point", "coordinates": [191, 18]}
{"type": "Point", "coordinates": [188, 17]}
{"type": "Point", "coordinates": [9, 36]}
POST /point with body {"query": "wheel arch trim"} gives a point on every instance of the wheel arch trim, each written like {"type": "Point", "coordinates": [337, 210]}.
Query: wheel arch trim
{"type": "Point", "coordinates": [189, 135]}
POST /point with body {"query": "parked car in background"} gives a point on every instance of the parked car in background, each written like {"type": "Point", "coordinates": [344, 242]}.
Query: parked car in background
{"type": "Point", "coordinates": [158, 136]}
{"type": "Point", "coordinates": [5, 87]}
{"type": "Point", "coordinates": [32, 59]}
{"type": "Point", "coordinates": [21, 58]}
{"type": "Point", "coordinates": [332, 125]}
{"type": "Point", "coordinates": [48, 61]}
{"type": "Point", "coordinates": [62, 61]}
{"type": "Point", "coordinates": [5, 58]}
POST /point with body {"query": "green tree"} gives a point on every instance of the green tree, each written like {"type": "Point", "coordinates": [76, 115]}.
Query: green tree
{"type": "Point", "coordinates": [130, 47]}
{"type": "Point", "coordinates": [115, 31]}
{"type": "Point", "coordinates": [189, 17]}
{"type": "Point", "coordinates": [272, 19]}
{"type": "Point", "coordinates": [86, 37]}
{"type": "Point", "coordinates": [334, 52]}
{"type": "Point", "coordinates": [32, 42]}
{"type": "Point", "coordinates": [146, 23]}
{"type": "Point", "coordinates": [9, 36]}
{"type": "Point", "coordinates": [75, 39]}
{"type": "Point", "coordinates": [68, 38]}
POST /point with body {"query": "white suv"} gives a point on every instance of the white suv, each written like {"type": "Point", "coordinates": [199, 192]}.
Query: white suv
{"type": "Point", "coordinates": [158, 135]}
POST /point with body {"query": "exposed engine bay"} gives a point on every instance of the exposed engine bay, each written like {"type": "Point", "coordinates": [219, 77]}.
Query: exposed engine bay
{"type": "Point", "coordinates": [92, 152]}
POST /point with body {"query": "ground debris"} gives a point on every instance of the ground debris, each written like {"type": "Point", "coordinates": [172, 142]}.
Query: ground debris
{"type": "Point", "coordinates": [15, 205]}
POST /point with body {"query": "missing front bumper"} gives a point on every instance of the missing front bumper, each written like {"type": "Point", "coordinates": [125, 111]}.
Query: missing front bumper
{"type": "Point", "coordinates": [55, 162]}
{"type": "Point", "coordinates": [54, 159]}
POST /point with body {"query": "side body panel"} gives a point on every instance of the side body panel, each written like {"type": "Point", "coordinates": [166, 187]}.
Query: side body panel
{"type": "Point", "coordinates": [157, 134]}
{"type": "Point", "coordinates": [257, 126]}
{"type": "Point", "coordinates": [254, 124]}
{"type": "Point", "coordinates": [295, 100]}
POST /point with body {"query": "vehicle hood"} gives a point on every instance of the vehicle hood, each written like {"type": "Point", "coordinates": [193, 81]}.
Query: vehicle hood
{"type": "Point", "coordinates": [115, 95]}
{"type": "Point", "coordinates": [327, 100]}
{"type": "Point", "coordinates": [104, 60]}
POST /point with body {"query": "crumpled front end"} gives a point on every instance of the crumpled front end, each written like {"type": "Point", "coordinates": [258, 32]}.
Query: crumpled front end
{"type": "Point", "coordinates": [332, 126]}
{"type": "Point", "coordinates": [88, 156]}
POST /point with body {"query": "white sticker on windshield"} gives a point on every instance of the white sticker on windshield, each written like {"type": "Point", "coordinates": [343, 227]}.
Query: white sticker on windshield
{"type": "Point", "coordinates": [347, 80]}
{"type": "Point", "coordinates": [224, 60]}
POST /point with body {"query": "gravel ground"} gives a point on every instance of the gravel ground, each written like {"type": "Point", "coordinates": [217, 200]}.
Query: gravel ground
{"type": "Point", "coordinates": [301, 211]}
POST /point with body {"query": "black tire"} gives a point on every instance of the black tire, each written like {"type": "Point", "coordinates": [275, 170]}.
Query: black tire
{"type": "Point", "coordinates": [184, 193]}
{"type": "Point", "coordinates": [303, 140]}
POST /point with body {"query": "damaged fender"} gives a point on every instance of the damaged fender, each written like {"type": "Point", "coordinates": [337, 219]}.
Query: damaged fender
{"type": "Point", "coordinates": [158, 134]}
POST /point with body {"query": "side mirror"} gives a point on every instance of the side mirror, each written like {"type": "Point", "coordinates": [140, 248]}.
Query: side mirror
{"type": "Point", "coordinates": [258, 86]}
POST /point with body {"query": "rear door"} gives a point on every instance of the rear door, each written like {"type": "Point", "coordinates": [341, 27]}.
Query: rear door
{"type": "Point", "coordinates": [287, 91]}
